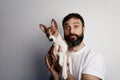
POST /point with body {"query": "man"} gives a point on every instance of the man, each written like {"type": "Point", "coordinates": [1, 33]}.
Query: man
{"type": "Point", "coordinates": [84, 62]}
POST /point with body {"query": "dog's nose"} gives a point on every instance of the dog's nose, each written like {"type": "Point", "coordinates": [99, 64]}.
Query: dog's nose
{"type": "Point", "coordinates": [51, 40]}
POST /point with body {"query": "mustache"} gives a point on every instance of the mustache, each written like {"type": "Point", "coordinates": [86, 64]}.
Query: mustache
{"type": "Point", "coordinates": [72, 35]}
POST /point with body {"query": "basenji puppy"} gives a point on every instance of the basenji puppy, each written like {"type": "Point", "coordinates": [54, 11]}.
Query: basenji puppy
{"type": "Point", "coordinates": [54, 36]}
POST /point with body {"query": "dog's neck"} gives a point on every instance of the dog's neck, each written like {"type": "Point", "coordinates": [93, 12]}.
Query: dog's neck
{"type": "Point", "coordinates": [58, 40]}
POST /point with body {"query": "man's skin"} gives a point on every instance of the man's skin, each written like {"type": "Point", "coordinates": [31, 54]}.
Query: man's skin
{"type": "Point", "coordinates": [72, 26]}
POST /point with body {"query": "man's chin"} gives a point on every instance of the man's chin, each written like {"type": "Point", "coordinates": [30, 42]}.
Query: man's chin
{"type": "Point", "coordinates": [74, 42]}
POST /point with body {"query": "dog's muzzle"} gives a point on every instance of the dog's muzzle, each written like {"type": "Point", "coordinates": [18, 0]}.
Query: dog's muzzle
{"type": "Point", "coordinates": [52, 38]}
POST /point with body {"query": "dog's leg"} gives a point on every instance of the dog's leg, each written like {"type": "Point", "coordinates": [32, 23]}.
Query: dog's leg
{"type": "Point", "coordinates": [61, 59]}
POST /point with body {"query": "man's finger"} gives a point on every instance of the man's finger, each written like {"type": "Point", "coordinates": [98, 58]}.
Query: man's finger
{"type": "Point", "coordinates": [47, 60]}
{"type": "Point", "coordinates": [53, 57]}
{"type": "Point", "coordinates": [53, 51]}
{"type": "Point", "coordinates": [60, 49]}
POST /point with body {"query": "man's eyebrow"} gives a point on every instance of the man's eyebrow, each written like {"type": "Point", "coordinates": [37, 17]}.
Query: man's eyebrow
{"type": "Point", "coordinates": [66, 24]}
{"type": "Point", "coordinates": [76, 23]}
{"type": "Point", "coordinates": [73, 23]}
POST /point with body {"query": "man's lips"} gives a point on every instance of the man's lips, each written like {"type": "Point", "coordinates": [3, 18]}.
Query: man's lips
{"type": "Point", "coordinates": [72, 37]}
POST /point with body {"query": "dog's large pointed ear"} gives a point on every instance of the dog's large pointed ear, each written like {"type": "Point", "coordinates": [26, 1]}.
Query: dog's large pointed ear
{"type": "Point", "coordinates": [43, 27]}
{"type": "Point", "coordinates": [54, 24]}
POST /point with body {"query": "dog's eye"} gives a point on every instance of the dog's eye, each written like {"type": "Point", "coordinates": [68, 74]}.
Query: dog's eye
{"type": "Point", "coordinates": [47, 34]}
{"type": "Point", "coordinates": [53, 32]}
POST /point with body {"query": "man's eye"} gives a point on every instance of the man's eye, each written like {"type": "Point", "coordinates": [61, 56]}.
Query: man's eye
{"type": "Point", "coordinates": [67, 28]}
{"type": "Point", "coordinates": [76, 26]}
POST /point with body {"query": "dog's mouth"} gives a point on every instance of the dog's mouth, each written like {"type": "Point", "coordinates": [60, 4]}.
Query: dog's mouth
{"type": "Point", "coordinates": [51, 38]}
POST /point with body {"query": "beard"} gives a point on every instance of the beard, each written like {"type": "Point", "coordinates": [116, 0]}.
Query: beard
{"type": "Point", "coordinates": [74, 42]}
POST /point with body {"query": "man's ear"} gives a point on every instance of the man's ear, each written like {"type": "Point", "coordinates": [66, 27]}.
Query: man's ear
{"type": "Point", "coordinates": [43, 27]}
{"type": "Point", "coordinates": [83, 29]}
{"type": "Point", "coordinates": [54, 24]}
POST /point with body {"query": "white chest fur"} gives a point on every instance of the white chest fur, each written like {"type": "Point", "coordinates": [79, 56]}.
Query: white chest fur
{"type": "Point", "coordinates": [60, 42]}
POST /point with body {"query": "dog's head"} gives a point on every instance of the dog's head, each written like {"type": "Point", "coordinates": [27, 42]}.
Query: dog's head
{"type": "Point", "coordinates": [51, 32]}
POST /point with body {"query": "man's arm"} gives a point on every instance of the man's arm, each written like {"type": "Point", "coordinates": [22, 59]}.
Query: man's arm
{"type": "Point", "coordinates": [70, 77]}
{"type": "Point", "coordinates": [89, 77]}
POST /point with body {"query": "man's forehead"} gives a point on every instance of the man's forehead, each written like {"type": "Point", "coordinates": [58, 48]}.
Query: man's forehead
{"type": "Point", "coordinates": [77, 21]}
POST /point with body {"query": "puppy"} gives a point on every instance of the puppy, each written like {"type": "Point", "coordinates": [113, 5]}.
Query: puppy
{"type": "Point", "coordinates": [54, 36]}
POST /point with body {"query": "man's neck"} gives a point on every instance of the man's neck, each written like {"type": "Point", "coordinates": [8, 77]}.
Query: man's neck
{"type": "Point", "coordinates": [76, 48]}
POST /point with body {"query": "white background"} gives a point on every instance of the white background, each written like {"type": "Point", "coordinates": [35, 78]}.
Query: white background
{"type": "Point", "coordinates": [23, 45]}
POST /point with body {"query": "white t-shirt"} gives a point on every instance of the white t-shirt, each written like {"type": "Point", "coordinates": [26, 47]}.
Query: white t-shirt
{"type": "Point", "coordinates": [86, 61]}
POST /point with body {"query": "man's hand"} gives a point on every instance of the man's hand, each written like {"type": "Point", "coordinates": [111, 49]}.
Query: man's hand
{"type": "Point", "coordinates": [51, 60]}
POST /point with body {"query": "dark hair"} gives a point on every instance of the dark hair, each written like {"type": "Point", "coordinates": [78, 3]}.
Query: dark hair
{"type": "Point", "coordinates": [73, 15]}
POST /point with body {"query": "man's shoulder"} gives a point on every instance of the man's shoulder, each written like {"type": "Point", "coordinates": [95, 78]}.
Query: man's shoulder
{"type": "Point", "coordinates": [92, 52]}
{"type": "Point", "coordinates": [94, 63]}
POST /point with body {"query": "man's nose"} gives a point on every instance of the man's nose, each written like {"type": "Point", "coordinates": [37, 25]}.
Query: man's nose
{"type": "Point", "coordinates": [72, 31]}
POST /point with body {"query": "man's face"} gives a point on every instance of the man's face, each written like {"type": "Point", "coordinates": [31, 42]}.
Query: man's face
{"type": "Point", "coordinates": [73, 32]}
